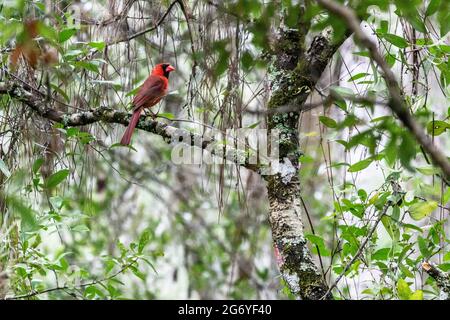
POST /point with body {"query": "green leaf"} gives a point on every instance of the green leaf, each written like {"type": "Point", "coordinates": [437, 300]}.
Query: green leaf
{"type": "Point", "coordinates": [390, 59]}
{"type": "Point", "coordinates": [403, 290]}
{"type": "Point", "coordinates": [80, 228]}
{"type": "Point", "coordinates": [365, 138]}
{"type": "Point", "coordinates": [328, 122]}
{"type": "Point", "coordinates": [118, 144]}
{"type": "Point", "coordinates": [423, 247]}
{"type": "Point", "coordinates": [85, 137]}
{"type": "Point", "coordinates": [47, 32]}
{"type": "Point", "coordinates": [433, 6]}
{"type": "Point", "coordinates": [71, 54]}
{"type": "Point", "coordinates": [403, 253]}
{"type": "Point", "coordinates": [396, 210]}
{"type": "Point", "coordinates": [391, 151]}
{"type": "Point", "coordinates": [428, 170]}
{"type": "Point", "coordinates": [358, 76]}
{"type": "Point", "coordinates": [362, 194]}
{"type": "Point", "coordinates": [341, 104]}
{"type": "Point", "coordinates": [444, 267]}
{"type": "Point", "coordinates": [254, 125]}
{"type": "Point", "coordinates": [368, 291]}
{"type": "Point", "coordinates": [390, 227]}
{"type": "Point", "coordinates": [61, 92]}
{"type": "Point", "coordinates": [133, 92]}
{"type": "Point", "coordinates": [417, 295]}
{"type": "Point", "coordinates": [64, 264]}
{"type": "Point", "coordinates": [360, 165]}
{"type": "Point", "coordinates": [92, 292]}
{"type": "Point", "coordinates": [446, 197]}
{"type": "Point", "coordinates": [143, 240]}
{"type": "Point", "coordinates": [26, 213]}
{"type": "Point", "coordinates": [56, 202]}
{"type": "Point", "coordinates": [97, 45]}
{"type": "Point", "coordinates": [109, 265]}
{"type": "Point", "coordinates": [412, 227]}
{"type": "Point", "coordinates": [396, 40]}
{"type": "Point", "coordinates": [444, 19]}
{"type": "Point", "coordinates": [138, 273]}
{"type": "Point", "coordinates": [342, 91]}
{"type": "Point", "coordinates": [66, 34]}
{"type": "Point", "coordinates": [37, 164]}
{"type": "Point", "coordinates": [4, 168]}
{"type": "Point", "coordinates": [56, 178]}
{"type": "Point", "coordinates": [247, 60]}
{"type": "Point", "coordinates": [420, 210]}
{"type": "Point", "coordinates": [320, 243]}
{"type": "Point", "coordinates": [167, 115]}
{"type": "Point", "coordinates": [447, 256]}
{"type": "Point", "coordinates": [384, 26]}
{"type": "Point", "coordinates": [405, 271]}
{"type": "Point", "coordinates": [408, 150]}
{"type": "Point", "coordinates": [362, 54]}
{"type": "Point", "coordinates": [381, 254]}
{"type": "Point", "coordinates": [222, 62]}
{"type": "Point", "coordinates": [416, 22]}
{"type": "Point", "coordinates": [87, 65]}
{"type": "Point", "coordinates": [349, 121]}
{"type": "Point", "coordinates": [72, 132]}
{"type": "Point", "coordinates": [437, 127]}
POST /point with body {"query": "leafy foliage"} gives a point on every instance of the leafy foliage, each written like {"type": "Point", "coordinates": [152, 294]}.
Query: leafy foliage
{"type": "Point", "coordinates": [82, 217]}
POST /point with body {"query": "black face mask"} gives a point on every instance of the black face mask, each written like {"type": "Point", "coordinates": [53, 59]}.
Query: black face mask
{"type": "Point", "coordinates": [166, 73]}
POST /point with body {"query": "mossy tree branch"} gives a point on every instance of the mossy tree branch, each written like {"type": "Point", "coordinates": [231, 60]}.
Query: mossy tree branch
{"type": "Point", "coordinates": [37, 101]}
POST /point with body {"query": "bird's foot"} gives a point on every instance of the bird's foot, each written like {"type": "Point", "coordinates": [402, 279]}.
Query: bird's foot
{"type": "Point", "coordinates": [149, 113]}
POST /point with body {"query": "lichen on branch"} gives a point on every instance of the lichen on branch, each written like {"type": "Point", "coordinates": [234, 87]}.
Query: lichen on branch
{"type": "Point", "coordinates": [293, 74]}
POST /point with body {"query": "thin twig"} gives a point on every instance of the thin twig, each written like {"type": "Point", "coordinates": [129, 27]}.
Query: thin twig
{"type": "Point", "coordinates": [360, 249]}
{"type": "Point", "coordinates": [35, 293]}
{"type": "Point", "coordinates": [396, 104]}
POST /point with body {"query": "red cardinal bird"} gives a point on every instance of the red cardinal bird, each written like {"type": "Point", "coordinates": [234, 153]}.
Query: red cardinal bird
{"type": "Point", "coordinates": [149, 94]}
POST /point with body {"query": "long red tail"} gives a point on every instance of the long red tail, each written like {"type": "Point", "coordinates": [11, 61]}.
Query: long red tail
{"type": "Point", "coordinates": [126, 139]}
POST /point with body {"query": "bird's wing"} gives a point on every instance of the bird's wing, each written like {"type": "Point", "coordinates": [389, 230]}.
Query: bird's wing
{"type": "Point", "coordinates": [153, 89]}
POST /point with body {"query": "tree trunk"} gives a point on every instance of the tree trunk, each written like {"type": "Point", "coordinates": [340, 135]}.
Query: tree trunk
{"type": "Point", "coordinates": [293, 74]}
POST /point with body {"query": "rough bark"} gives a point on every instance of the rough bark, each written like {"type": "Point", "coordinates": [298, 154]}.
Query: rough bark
{"type": "Point", "coordinates": [293, 74]}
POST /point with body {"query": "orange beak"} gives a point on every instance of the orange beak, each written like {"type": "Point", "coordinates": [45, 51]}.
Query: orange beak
{"type": "Point", "coordinates": [170, 68]}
